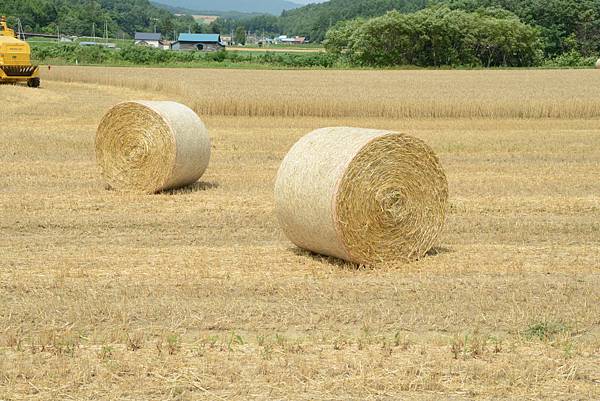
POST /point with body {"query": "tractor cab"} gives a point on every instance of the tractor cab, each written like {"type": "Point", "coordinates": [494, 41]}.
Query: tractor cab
{"type": "Point", "coordinates": [4, 29]}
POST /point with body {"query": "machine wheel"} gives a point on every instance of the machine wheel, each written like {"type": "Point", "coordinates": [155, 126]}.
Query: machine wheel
{"type": "Point", "coordinates": [33, 82]}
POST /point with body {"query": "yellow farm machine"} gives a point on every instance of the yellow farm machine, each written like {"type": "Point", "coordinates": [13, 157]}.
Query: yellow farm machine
{"type": "Point", "coordinates": [15, 59]}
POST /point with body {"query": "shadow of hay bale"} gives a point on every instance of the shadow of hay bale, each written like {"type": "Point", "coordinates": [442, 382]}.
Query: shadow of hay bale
{"type": "Point", "coordinates": [438, 250]}
{"type": "Point", "coordinates": [333, 261]}
{"type": "Point", "coordinates": [330, 260]}
{"type": "Point", "coordinates": [198, 186]}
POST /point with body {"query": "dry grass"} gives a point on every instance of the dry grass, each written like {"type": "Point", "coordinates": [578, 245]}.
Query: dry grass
{"type": "Point", "coordinates": [196, 294]}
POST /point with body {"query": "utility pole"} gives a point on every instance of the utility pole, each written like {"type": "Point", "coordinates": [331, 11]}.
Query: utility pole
{"type": "Point", "coordinates": [94, 31]}
{"type": "Point", "coordinates": [20, 32]}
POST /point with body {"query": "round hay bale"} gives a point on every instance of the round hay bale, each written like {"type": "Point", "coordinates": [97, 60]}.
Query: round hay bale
{"type": "Point", "coordinates": [150, 146]}
{"type": "Point", "coordinates": [598, 64]}
{"type": "Point", "coordinates": [362, 195]}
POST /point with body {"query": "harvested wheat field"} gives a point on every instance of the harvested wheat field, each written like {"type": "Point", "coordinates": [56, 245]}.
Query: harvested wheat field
{"type": "Point", "coordinates": [196, 293]}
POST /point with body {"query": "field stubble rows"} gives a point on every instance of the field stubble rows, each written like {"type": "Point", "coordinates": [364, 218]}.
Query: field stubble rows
{"type": "Point", "coordinates": [196, 294]}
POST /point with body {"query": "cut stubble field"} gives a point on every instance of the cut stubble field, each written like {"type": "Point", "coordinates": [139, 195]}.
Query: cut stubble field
{"type": "Point", "coordinates": [196, 294]}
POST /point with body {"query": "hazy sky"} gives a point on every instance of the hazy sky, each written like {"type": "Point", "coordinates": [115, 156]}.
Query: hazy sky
{"type": "Point", "coordinates": [307, 1]}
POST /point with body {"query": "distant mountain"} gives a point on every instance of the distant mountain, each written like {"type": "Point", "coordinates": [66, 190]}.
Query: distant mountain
{"type": "Point", "coordinates": [274, 7]}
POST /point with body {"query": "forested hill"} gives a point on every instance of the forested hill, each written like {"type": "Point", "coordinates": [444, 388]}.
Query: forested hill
{"type": "Point", "coordinates": [81, 17]}
{"type": "Point", "coordinates": [314, 20]}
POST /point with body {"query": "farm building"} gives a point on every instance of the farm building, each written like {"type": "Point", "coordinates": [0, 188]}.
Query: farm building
{"type": "Point", "coordinates": [199, 41]}
{"type": "Point", "coordinates": [147, 39]}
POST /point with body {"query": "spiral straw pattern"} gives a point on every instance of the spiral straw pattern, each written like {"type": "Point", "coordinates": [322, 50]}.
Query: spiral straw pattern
{"type": "Point", "coordinates": [362, 195]}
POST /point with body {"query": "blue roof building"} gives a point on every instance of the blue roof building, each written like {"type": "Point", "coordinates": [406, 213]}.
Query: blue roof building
{"type": "Point", "coordinates": [199, 37]}
{"type": "Point", "coordinates": [206, 42]}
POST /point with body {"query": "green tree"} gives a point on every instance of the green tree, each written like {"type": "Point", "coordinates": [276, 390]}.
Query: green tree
{"type": "Point", "coordinates": [240, 35]}
{"type": "Point", "coordinates": [339, 39]}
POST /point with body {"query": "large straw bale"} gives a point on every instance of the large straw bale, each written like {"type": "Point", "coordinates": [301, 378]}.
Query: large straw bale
{"type": "Point", "coordinates": [598, 64]}
{"type": "Point", "coordinates": [150, 146]}
{"type": "Point", "coordinates": [362, 195]}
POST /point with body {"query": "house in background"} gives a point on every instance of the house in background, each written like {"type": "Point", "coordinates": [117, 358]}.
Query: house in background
{"type": "Point", "coordinates": [147, 39]}
{"type": "Point", "coordinates": [198, 41]}
{"type": "Point", "coordinates": [227, 40]}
